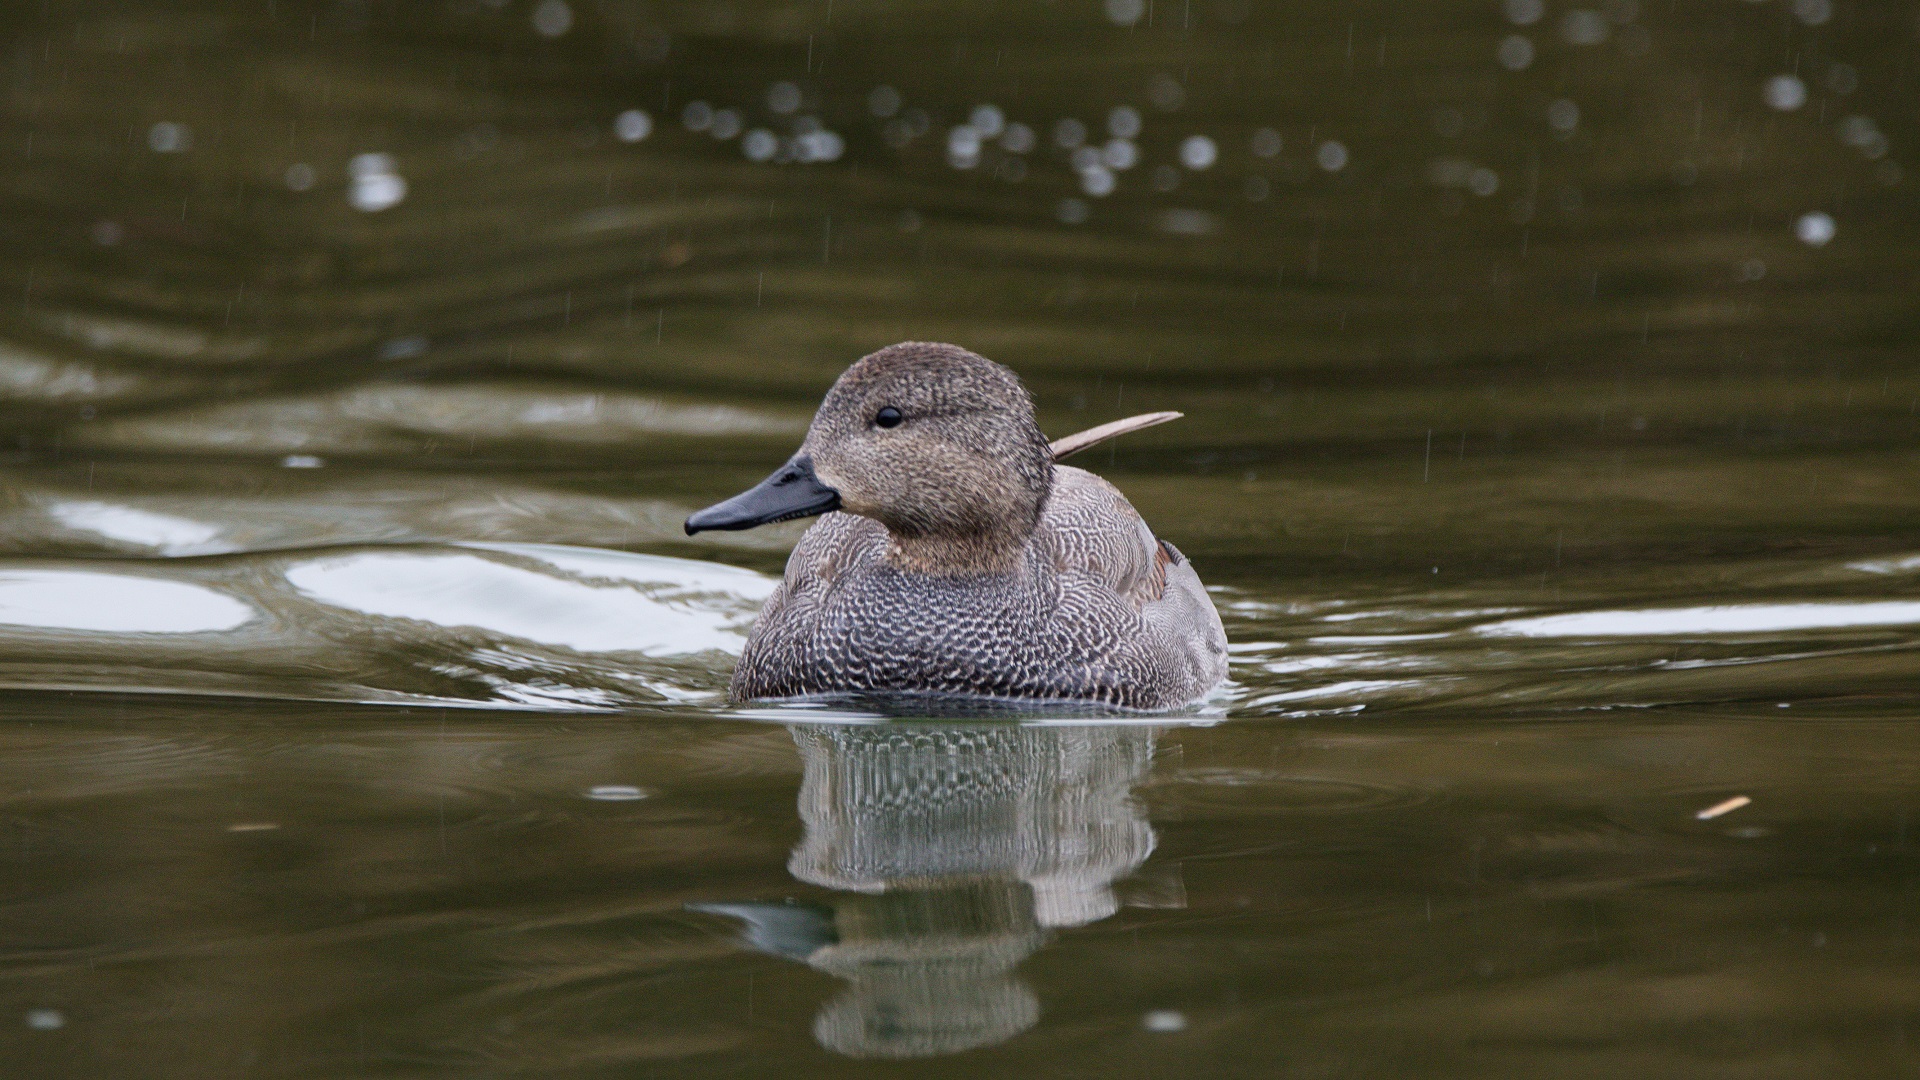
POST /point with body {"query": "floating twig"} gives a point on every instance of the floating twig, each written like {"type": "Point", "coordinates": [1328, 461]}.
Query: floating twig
{"type": "Point", "coordinates": [1720, 808]}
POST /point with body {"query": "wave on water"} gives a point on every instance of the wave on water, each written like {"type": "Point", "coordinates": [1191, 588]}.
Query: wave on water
{"type": "Point", "coordinates": [489, 625]}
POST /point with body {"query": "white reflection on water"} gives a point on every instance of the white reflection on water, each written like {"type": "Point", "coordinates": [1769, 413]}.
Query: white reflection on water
{"type": "Point", "coordinates": [115, 603]}
{"type": "Point", "coordinates": [692, 575]}
{"type": "Point", "coordinates": [165, 533]}
{"type": "Point", "coordinates": [471, 591]}
{"type": "Point", "coordinates": [1728, 619]}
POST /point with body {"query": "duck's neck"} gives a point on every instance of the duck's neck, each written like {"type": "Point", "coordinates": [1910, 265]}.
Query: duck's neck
{"type": "Point", "coordinates": [970, 555]}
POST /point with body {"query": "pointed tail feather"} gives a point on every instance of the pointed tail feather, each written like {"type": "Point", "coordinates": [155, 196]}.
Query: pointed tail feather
{"type": "Point", "coordinates": [1064, 448]}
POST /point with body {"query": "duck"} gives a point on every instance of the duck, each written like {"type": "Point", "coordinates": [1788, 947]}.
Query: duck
{"type": "Point", "coordinates": [955, 558]}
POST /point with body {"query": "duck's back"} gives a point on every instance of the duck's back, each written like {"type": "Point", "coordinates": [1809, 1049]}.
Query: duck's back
{"type": "Point", "coordinates": [1097, 610]}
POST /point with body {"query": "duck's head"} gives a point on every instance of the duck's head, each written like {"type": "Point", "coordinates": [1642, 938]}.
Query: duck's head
{"type": "Point", "coordinates": [932, 441]}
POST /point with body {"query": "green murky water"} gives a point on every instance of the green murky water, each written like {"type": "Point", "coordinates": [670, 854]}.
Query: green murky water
{"type": "Point", "coordinates": [1550, 449]}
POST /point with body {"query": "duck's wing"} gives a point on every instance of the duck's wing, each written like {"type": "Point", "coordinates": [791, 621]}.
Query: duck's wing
{"type": "Point", "coordinates": [1065, 448]}
{"type": "Point", "coordinates": [1089, 527]}
{"type": "Point", "coordinates": [1090, 530]}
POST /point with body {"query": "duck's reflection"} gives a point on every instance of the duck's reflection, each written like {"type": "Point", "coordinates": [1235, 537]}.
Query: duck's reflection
{"type": "Point", "coordinates": [960, 847]}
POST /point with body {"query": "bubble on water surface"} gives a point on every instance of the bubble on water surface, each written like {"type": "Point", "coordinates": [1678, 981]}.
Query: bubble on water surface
{"type": "Point", "coordinates": [401, 348]}
{"type": "Point", "coordinates": [1184, 221]}
{"type": "Point", "coordinates": [1524, 12]}
{"type": "Point", "coordinates": [1815, 228]}
{"type": "Point", "coordinates": [819, 146]}
{"type": "Point", "coordinates": [552, 18]}
{"type": "Point", "coordinates": [963, 147]}
{"type": "Point", "coordinates": [1861, 133]}
{"type": "Point", "coordinates": [1098, 181]}
{"type": "Point", "coordinates": [107, 233]}
{"type": "Point", "coordinates": [1785, 92]}
{"type": "Point", "coordinates": [760, 145]}
{"type": "Point", "coordinates": [783, 97]}
{"type": "Point", "coordinates": [1813, 12]}
{"type": "Point", "coordinates": [167, 137]}
{"type": "Point", "coordinates": [302, 461]}
{"type": "Point", "coordinates": [1164, 1021]}
{"type": "Point", "coordinates": [632, 126]}
{"type": "Point", "coordinates": [1018, 139]}
{"type": "Point", "coordinates": [46, 1019]}
{"type": "Point", "coordinates": [1331, 156]}
{"type": "Point", "coordinates": [1123, 122]}
{"type": "Point", "coordinates": [1069, 134]}
{"type": "Point", "coordinates": [697, 116]}
{"type": "Point", "coordinates": [1166, 93]}
{"type": "Point", "coordinates": [1584, 26]}
{"type": "Point", "coordinates": [1198, 152]}
{"type": "Point", "coordinates": [373, 184]}
{"type": "Point", "coordinates": [1120, 154]}
{"type": "Point", "coordinates": [1563, 116]}
{"type": "Point", "coordinates": [1125, 12]}
{"type": "Point", "coordinates": [988, 120]}
{"type": "Point", "coordinates": [1516, 52]}
{"type": "Point", "coordinates": [726, 124]}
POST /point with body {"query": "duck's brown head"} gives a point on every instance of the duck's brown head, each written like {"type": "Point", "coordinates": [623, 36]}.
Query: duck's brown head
{"type": "Point", "coordinates": [934, 442]}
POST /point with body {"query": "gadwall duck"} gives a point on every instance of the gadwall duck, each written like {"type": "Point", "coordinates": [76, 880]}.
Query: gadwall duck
{"type": "Point", "coordinates": [955, 558]}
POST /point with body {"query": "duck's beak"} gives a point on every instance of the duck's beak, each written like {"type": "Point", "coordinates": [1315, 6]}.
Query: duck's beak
{"type": "Point", "coordinates": [793, 491]}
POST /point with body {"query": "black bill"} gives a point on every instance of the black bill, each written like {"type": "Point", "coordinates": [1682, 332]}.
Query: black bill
{"type": "Point", "coordinates": [791, 492]}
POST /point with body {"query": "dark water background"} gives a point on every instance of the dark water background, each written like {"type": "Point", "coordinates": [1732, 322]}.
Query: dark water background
{"type": "Point", "coordinates": [1550, 447]}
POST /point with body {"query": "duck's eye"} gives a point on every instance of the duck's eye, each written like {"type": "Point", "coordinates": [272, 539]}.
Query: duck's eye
{"type": "Point", "coordinates": [888, 417]}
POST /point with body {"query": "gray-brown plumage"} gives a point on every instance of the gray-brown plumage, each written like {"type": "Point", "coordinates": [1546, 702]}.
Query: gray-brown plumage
{"type": "Point", "coordinates": [956, 558]}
